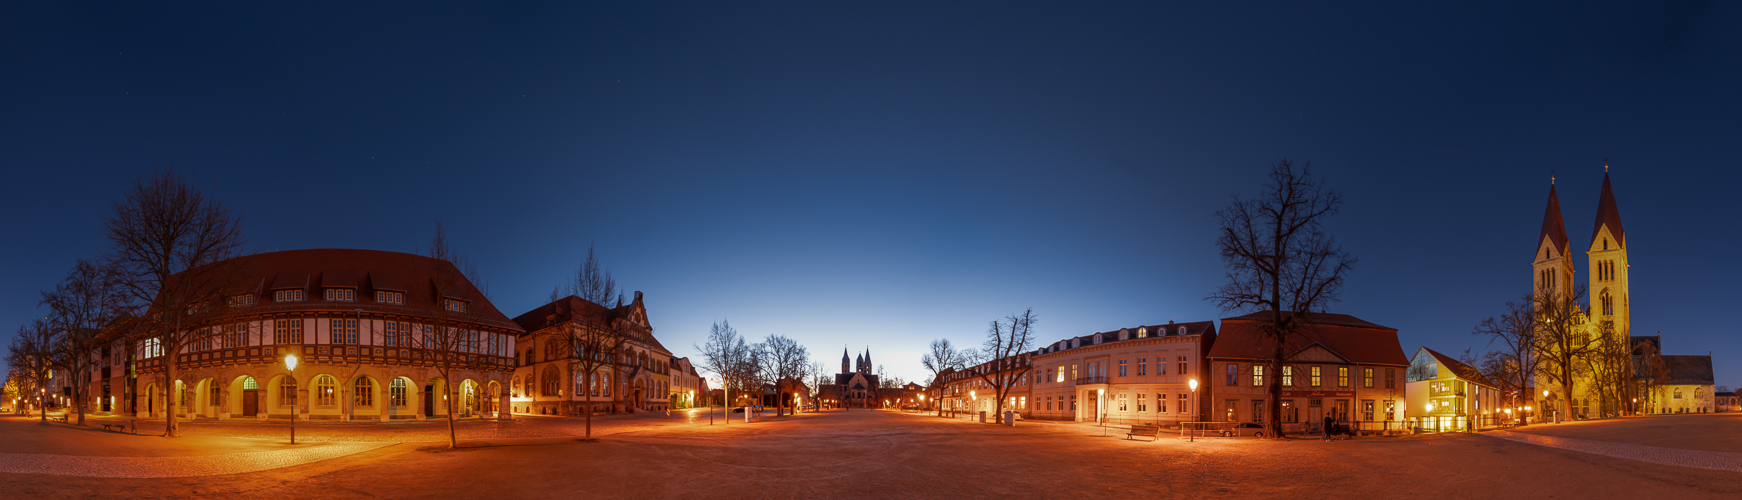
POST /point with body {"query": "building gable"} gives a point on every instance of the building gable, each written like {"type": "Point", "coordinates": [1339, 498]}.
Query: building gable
{"type": "Point", "coordinates": [1316, 353]}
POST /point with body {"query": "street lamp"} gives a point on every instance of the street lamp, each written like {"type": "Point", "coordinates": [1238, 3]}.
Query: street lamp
{"type": "Point", "coordinates": [1190, 437]}
{"type": "Point", "coordinates": [290, 363]}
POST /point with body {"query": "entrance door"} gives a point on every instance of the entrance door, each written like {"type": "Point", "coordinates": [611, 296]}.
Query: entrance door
{"type": "Point", "coordinates": [429, 400]}
{"type": "Point", "coordinates": [250, 402]}
{"type": "Point", "coordinates": [1094, 407]}
{"type": "Point", "coordinates": [1315, 417]}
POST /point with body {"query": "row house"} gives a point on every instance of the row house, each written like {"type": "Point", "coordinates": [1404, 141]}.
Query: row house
{"type": "Point", "coordinates": [975, 389]}
{"type": "Point", "coordinates": [1334, 365]}
{"type": "Point", "coordinates": [552, 380]}
{"type": "Point", "coordinates": [686, 384]}
{"type": "Point", "coordinates": [1138, 374]}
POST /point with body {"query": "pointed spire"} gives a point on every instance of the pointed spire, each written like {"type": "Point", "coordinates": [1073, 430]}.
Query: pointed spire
{"type": "Point", "coordinates": [1553, 227]}
{"type": "Point", "coordinates": [1608, 214]}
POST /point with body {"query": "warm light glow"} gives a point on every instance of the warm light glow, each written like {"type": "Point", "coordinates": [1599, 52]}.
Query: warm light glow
{"type": "Point", "coordinates": [290, 361]}
{"type": "Point", "coordinates": [1526, 407]}
{"type": "Point", "coordinates": [1545, 394]}
{"type": "Point", "coordinates": [971, 395]}
{"type": "Point", "coordinates": [1430, 407]}
{"type": "Point", "coordinates": [1193, 383]}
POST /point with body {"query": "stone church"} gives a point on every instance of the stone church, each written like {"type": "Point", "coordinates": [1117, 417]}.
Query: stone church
{"type": "Point", "coordinates": [857, 385]}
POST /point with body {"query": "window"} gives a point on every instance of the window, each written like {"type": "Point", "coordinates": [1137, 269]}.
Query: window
{"type": "Point", "coordinates": [242, 301]}
{"type": "Point", "coordinates": [1288, 376]}
{"type": "Point", "coordinates": [1233, 373]}
{"type": "Point", "coordinates": [605, 384]}
{"type": "Point", "coordinates": [324, 390]}
{"type": "Point", "coordinates": [344, 331]}
{"type": "Point", "coordinates": [1233, 410]}
{"type": "Point", "coordinates": [1390, 410]}
{"type": "Point", "coordinates": [1142, 366]}
{"type": "Point", "coordinates": [1258, 410]}
{"type": "Point", "coordinates": [396, 392]}
{"type": "Point", "coordinates": [1678, 393]}
{"type": "Point", "coordinates": [1122, 403]}
{"type": "Point", "coordinates": [1161, 403]}
{"type": "Point", "coordinates": [1257, 376]}
{"type": "Point", "coordinates": [1289, 415]}
{"type": "Point", "coordinates": [287, 392]}
{"type": "Point", "coordinates": [1141, 333]}
{"type": "Point", "coordinates": [1182, 361]}
{"type": "Point", "coordinates": [288, 331]}
{"type": "Point", "coordinates": [1121, 367]}
{"type": "Point", "coordinates": [549, 384]}
{"type": "Point", "coordinates": [363, 394]}
{"type": "Point", "coordinates": [1342, 376]}
{"type": "Point", "coordinates": [1313, 378]}
{"type": "Point", "coordinates": [1140, 406]}
{"type": "Point", "coordinates": [1608, 303]}
{"type": "Point", "coordinates": [1073, 371]}
{"type": "Point", "coordinates": [1390, 379]}
{"type": "Point", "coordinates": [287, 296]}
{"type": "Point", "coordinates": [341, 295]}
{"type": "Point", "coordinates": [454, 305]}
{"type": "Point", "coordinates": [398, 334]}
{"type": "Point", "coordinates": [395, 298]}
{"type": "Point", "coordinates": [1073, 402]}
{"type": "Point", "coordinates": [1367, 379]}
{"type": "Point", "coordinates": [1367, 410]}
{"type": "Point", "coordinates": [1182, 403]}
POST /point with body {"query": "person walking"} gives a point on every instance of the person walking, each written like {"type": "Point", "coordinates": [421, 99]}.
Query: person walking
{"type": "Point", "coordinates": [1326, 428]}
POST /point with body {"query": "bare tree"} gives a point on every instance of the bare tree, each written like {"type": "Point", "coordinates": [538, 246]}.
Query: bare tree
{"type": "Point", "coordinates": [1516, 332]}
{"type": "Point", "coordinates": [590, 283]}
{"type": "Point", "coordinates": [1610, 363]}
{"type": "Point", "coordinates": [784, 361]}
{"type": "Point", "coordinates": [1563, 340]}
{"type": "Point", "coordinates": [819, 377]}
{"type": "Point", "coordinates": [1652, 373]}
{"type": "Point", "coordinates": [725, 354]}
{"type": "Point", "coordinates": [31, 357]}
{"type": "Point", "coordinates": [173, 256]}
{"type": "Point", "coordinates": [1007, 343]}
{"type": "Point", "coordinates": [1281, 260]}
{"type": "Point", "coordinates": [591, 348]}
{"type": "Point", "coordinates": [451, 347]}
{"type": "Point", "coordinates": [80, 308]}
{"type": "Point", "coordinates": [943, 356]}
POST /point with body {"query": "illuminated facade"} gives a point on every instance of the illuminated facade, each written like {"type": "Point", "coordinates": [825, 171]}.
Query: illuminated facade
{"type": "Point", "coordinates": [1336, 365]}
{"type": "Point", "coordinates": [357, 319]}
{"type": "Point", "coordinates": [1138, 374]}
{"type": "Point", "coordinates": [1446, 395]}
{"type": "Point", "coordinates": [1609, 308]}
{"type": "Point", "coordinates": [550, 382]}
{"type": "Point", "coordinates": [857, 387]}
{"type": "Point", "coordinates": [967, 390]}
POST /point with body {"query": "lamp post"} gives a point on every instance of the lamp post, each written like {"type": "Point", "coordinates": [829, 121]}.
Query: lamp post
{"type": "Point", "coordinates": [290, 363]}
{"type": "Point", "coordinates": [1194, 385]}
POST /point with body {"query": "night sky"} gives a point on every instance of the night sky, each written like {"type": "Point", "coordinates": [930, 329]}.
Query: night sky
{"type": "Point", "coordinates": [882, 174]}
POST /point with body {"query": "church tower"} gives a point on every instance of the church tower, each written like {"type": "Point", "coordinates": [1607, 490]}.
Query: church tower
{"type": "Point", "coordinates": [1608, 254]}
{"type": "Point", "coordinates": [844, 365]}
{"type": "Point", "coordinates": [1553, 263]}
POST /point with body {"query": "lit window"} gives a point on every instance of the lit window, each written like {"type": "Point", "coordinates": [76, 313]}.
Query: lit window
{"type": "Point", "coordinates": [341, 295]}
{"type": "Point", "coordinates": [395, 298]}
{"type": "Point", "coordinates": [1288, 376]}
{"type": "Point", "coordinates": [1367, 381]}
{"type": "Point", "coordinates": [1061, 370]}
{"type": "Point", "coordinates": [1140, 406]}
{"type": "Point", "coordinates": [1232, 410]}
{"type": "Point", "coordinates": [287, 392]}
{"type": "Point", "coordinates": [324, 388]}
{"type": "Point", "coordinates": [1257, 376]}
{"type": "Point", "coordinates": [287, 296]}
{"type": "Point", "coordinates": [1141, 333]}
{"type": "Point", "coordinates": [1314, 377]}
{"type": "Point", "coordinates": [1342, 376]}
{"type": "Point", "coordinates": [454, 305]}
{"type": "Point", "coordinates": [363, 394]}
{"type": "Point", "coordinates": [397, 392]}
{"type": "Point", "coordinates": [1122, 403]}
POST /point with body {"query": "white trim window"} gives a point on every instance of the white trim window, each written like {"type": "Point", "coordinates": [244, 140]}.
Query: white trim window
{"type": "Point", "coordinates": [287, 296]}
{"type": "Point", "coordinates": [288, 331]}
{"type": "Point", "coordinates": [341, 295]}
{"type": "Point", "coordinates": [385, 297]}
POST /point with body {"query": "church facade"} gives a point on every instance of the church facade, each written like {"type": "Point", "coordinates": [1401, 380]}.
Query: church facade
{"type": "Point", "coordinates": [857, 385]}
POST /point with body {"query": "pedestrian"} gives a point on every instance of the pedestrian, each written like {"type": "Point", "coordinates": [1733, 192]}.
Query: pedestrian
{"type": "Point", "coordinates": [1326, 428]}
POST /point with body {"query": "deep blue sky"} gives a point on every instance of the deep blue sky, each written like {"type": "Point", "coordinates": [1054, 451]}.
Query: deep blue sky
{"type": "Point", "coordinates": [884, 175]}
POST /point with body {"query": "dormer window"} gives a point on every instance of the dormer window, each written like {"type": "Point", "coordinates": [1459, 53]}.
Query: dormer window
{"type": "Point", "coordinates": [452, 305]}
{"type": "Point", "coordinates": [242, 301]}
{"type": "Point", "coordinates": [1182, 330]}
{"type": "Point", "coordinates": [1142, 332]}
{"type": "Point", "coordinates": [395, 298]}
{"type": "Point", "coordinates": [1124, 334]}
{"type": "Point", "coordinates": [341, 295]}
{"type": "Point", "coordinates": [287, 296]}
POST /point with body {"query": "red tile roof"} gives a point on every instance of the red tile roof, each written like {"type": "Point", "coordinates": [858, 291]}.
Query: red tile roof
{"type": "Point", "coordinates": [1608, 214]}
{"type": "Point", "coordinates": [1553, 227]}
{"type": "Point", "coordinates": [1352, 338]}
{"type": "Point", "coordinates": [572, 308]}
{"type": "Point", "coordinates": [292, 269]}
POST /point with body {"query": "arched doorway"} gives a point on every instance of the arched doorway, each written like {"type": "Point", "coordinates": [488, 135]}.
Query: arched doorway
{"type": "Point", "coordinates": [364, 397]}
{"type": "Point", "coordinates": [399, 394]}
{"type": "Point", "coordinates": [248, 403]}
{"type": "Point", "coordinates": [468, 404]}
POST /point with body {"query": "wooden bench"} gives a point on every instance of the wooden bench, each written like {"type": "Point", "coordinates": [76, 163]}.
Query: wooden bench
{"type": "Point", "coordinates": [115, 427]}
{"type": "Point", "coordinates": [1151, 431]}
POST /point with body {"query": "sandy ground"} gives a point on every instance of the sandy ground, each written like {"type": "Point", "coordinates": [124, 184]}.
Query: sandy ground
{"type": "Point", "coordinates": [878, 454]}
{"type": "Point", "coordinates": [1709, 432]}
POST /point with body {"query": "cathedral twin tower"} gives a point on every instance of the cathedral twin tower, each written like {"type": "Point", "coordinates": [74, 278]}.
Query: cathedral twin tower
{"type": "Point", "coordinates": [1607, 258]}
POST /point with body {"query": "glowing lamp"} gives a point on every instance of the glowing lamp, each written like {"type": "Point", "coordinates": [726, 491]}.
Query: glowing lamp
{"type": "Point", "coordinates": [290, 361]}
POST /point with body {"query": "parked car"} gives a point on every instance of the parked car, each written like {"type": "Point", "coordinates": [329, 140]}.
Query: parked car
{"type": "Point", "coordinates": [1246, 429]}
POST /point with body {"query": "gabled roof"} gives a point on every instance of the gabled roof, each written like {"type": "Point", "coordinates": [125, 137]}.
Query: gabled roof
{"type": "Point", "coordinates": [1608, 215]}
{"type": "Point", "coordinates": [572, 308]}
{"type": "Point", "coordinates": [1688, 370]}
{"type": "Point", "coordinates": [1553, 227]}
{"type": "Point", "coordinates": [1460, 369]}
{"type": "Point", "coordinates": [1158, 330]}
{"type": "Point", "coordinates": [1639, 342]}
{"type": "Point", "coordinates": [1352, 338]}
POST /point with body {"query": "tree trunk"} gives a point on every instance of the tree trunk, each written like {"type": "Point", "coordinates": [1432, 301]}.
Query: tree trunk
{"type": "Point", "coordinates": [589, 417]}
{"type": "Point", "coordinates": [169, 423]}
{"type": "Point", "coordinates": [453, 436]}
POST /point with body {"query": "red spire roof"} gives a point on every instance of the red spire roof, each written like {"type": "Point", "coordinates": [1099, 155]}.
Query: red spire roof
{"type": "Point", "coordinates": [1608, 215]}
{"type": "Point", "coordinates": [1552, 226]}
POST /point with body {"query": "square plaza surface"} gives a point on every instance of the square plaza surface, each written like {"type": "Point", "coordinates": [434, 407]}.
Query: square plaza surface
{"type": "Point", "coordinates": [855, 454]}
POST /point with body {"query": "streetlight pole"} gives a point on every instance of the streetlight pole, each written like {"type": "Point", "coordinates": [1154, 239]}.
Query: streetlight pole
{"type": "Point", "coordinates": [1192, 437]}
{"type": "Point", "coordinates": [290, 363]}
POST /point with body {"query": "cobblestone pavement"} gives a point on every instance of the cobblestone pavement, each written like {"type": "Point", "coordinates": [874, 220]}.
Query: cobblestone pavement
{"type": "Point", "coordinates": [433, 430]}
{"type": "Point", "coordinates": [1697, 459]}
{"type": "Point", "coordinates": [158, 467]}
